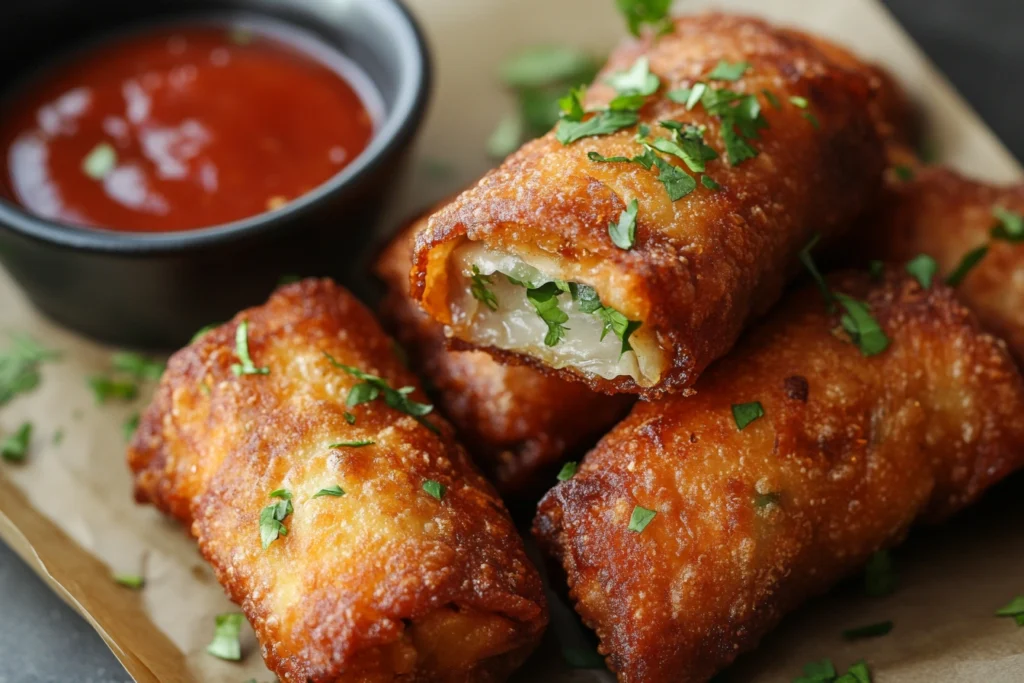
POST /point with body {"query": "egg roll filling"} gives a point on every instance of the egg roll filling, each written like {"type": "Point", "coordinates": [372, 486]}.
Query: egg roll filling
{"type": "Point", "coordinates": [504, 302]}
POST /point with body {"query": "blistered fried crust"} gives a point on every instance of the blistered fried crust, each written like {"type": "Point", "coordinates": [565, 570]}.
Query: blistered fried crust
{"type": "Point", "coordinates": [851, 451]}
{"type": "Point", "coordinates": [385, 583]}
{"type": "Point", "coordinates": [702, 266]}
{"type": "Point", "coordinates": [517, 422]}
{"type": "Point", "coordinates": [940, 213]}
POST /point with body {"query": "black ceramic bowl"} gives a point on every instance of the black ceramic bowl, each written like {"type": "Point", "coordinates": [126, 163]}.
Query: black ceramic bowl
{"type": "Point", "coordinates": [155, 290]}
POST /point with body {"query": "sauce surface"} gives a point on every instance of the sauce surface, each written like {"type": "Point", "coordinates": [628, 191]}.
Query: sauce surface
{"type": "Point", "coordinates": [183, 127]}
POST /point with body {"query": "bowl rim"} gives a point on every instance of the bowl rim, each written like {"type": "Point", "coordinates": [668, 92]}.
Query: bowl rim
{"type": "Point", "coordinates": [400, 123]}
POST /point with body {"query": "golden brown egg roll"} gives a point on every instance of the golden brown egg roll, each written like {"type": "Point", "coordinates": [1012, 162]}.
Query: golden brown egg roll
{"type": "Point", "coordinates": [848, 452]}
{"type": "Point", "coordinates": [534, 263]}
{"type": "Point", "coordinates": [518, 423]}
{"type": "Point", "coordinates": [938, 212]}
{"type": "Point", "coordinates": [392, 558]}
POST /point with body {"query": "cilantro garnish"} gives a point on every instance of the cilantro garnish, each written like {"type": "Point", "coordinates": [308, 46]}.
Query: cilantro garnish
{"type": "Point", "coordinates": [724, 71]}
{"type": "Point", "coordinates": [435, 488]}
{"type": "Point", "coordinates": [567, 471]}
{"type": "Point", "coordinates": [687, 143]}
{"type": "Point", "coordinates": [480, 291]}
{"type": "Point", "coordinates": [904, 173]}
{"type": "Point", "coordinates": [637, 80]}
{"type": "Point", "coordinates": [350, 418]}
{"type": "Point", "coordinates": [1010, 226]}
{"type": "Point", "coordinates": [772, 99]}
{"type": "Point", "coordinates": [272, 517]}
{"type": "Point", "coordinates": [130, 426]}
{"type": "Point", "coordinates": [710, 183]}
{"type": "Point", "coordinates": [545, 301]}
{"type": "Point", "coordinates": [967, 263]}
{"type": "Point", "coordinates": [137, 365]}
{"type": "Point", "coordinates": [623, 233]}
{"type": "Point", "coordinates": [640, 518]}
{"type": "Point", "coordinates": [353, 444]}
{"type": "Point", "coordinates": [335, 491]}
{"type": "Point", "coordinates": [133, 581]}
{"type": "Point", "coordinates": [798, 102]}
{"type": "Point", "coordinates": [869, 631]}
{"type": "Point", "coordinates": [106, 388]}
{"type": "Point", "coordinates": [372, 387]}
{"type": "Point", "coordinates": [677, 183]}
{"type": "Point", "coordinates": [880, 575]}
{"type": "Point", "coordinates": [923, 268]}
{"type": "Point", "coordinates": [225, 644]}
{"type": "Point", "coordinates": [586, 298]}
{"type": "Point", "coordinates": [1015, 609]}
{"type": "Point", "coordinates": [640, 13]}
{"type": "Point", "coordinates": [601, 123]}
{"type": "Point", "coordinates": [745, 413]}
{"type": "Point", "coordinates": [620, 325]}
{"type": "Point", "coordinates": [825, 672]}
{"type": "Point", "coordinates": [14, 448]}
{"type": "Point", "coordinates": [246, 367]}
{"type": "Point", "coordinates": [19, 367]}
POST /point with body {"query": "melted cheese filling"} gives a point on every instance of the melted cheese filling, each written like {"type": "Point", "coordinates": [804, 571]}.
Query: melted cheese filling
{"type": "Point", "coordinates": [515, 324]}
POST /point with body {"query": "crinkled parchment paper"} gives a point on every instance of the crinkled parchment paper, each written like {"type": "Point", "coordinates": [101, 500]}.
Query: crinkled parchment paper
{"type": "Point", "coordinates": [68, 510]}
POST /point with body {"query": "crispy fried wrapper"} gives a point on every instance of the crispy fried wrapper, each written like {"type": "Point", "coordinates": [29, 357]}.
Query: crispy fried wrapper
{"type": "Point", "coordinates": [849, 453]}
{"type": "Point", "coordinates": [382, 582]}
{"type": "Point", "coordinates": [701, 266]}
{"type": "Point", "coordinates": [936, 211]}
{"type": "Point", "coordinates": [519, 423]}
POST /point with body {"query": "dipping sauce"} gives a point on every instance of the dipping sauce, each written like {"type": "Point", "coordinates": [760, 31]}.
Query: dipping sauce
{"type": "Point", "coordinates": [184, 127]}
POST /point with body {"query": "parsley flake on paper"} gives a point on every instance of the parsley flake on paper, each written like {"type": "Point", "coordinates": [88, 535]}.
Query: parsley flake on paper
{"type": "Point", "coordinates": [19, 366]}
{"type": "Point", "coordinates": [880, 575]}
{"type": "Point", "coordinates": [1014, 609]}
{"type": "Point", "coordinates": [14, 448]}
{"type": "Point", "coordinates": [226, 643]}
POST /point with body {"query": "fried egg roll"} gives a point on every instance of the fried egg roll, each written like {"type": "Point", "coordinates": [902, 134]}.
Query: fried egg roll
{"type": "Point", "coordinates": [609, 259]}
{"type": "Point", "coordinates": [936, 211]}
{"type": "Point", "coordinates": [517, 422]}
{"type": "Point", "coordinates": [343, 517]}
{"type": "Point", "coordinates": [697, 523]}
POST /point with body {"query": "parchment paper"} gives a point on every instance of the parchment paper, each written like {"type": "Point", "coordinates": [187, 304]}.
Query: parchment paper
{"type": "Point", "coordinates": [68, 510]}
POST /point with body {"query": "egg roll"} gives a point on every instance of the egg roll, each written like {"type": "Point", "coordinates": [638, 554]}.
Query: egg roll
{"type": "Point", "coordinates": [518, 423]}
{"type": "Point", "coordinates": [341, 514]}
{"type": "Point", "coordinates": [936, 211]}
{"type": "Point", "coordinates": [612, 262]}
{"type": "Point", "coordinates": [796, 460]}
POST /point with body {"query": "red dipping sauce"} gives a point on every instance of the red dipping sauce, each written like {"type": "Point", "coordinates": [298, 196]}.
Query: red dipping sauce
{"type": "Point", "coordinates": [184, 127]}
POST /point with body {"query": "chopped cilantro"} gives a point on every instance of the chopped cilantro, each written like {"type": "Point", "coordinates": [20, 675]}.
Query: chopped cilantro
{"type": "Point", "coordinates": [818, 672]}
{"type": "Point", "coordinates": [745, 413]}
{"type": "Point", "coordinates": [616, 322]}
{"type": "Point", "coordinates": [646, 159]}
{"type": "Point", "coordinates": [880, 575]}
{"type": "Point", "coordinates": [336, 491]}
{"type": "Point", "coordinates": [1010, 226]}
{"type": "Point", "coordinates": [623, 233]}
{"type": "Point", "coordinates": [902, 172]}
{"type": "Point", "coordinates": [14, 448]}
{"type": "Point", "coordinates": [812, 119]}
{"type": "Point", "coordinates": [100, 161]}
{"type": "Point", "coordinates": [567, 471]}
{"type": "Point", "coordinates": [137, 365]}
{"type": "Point", "coordinates": [106, 388]}
{"type": "Point", "coordinates": [772, 99]}
{"type": "Point", "coordinates": [677, 183]}
{"type": "Point", "coordinates": [435, 488]}
{"type": "Point", "coordinates": [923, 268]}
{"type": "Point", "coordinates": [133, 581]}
{"type": "Point", "coordinates": [586, 298]}
{"type": "Point", "coordinates": [601, 123]}
{"type": "Point", "coordinates": [246, 367]}
{"type": "Point", "coordinates": [724, 71]}
{"type": "Point", "coordinates": [862, 327]}
{"type": "Point", "coordinates": [710, 183]}
{"type": "Point", "coordinates": [689, 96]}
{"type": "Point", "coordinates": [226, 643]}
{"type": "Point", "coordinates": [130, 426]}
{"type": "Point", "coordinates": [869, 631]}
{"type": "Point", "coordinates": [273, 516]}
{"type": "Point", "coordinates": [372, 387]}
{"type": "Point", "coordinates": [687, 143]}
{"type": "Point", "coordinates": [1015, 609]}
{"type": "Point", "coordinates": [640, 13]}
{"type": "Point", "coordinates": [967, 263]}
{"type": "Point", "coordinates": [19, 367]}
{"type": "Point", "coordinates": [353, 444]}
{"type": "Point", "coordinates": [637, 80]}
{"type": "Point", "coordinates": [480, 291]}
{"type": "Point", "coordinates": [640, 518]}
{"type": "Point", "coordinates": [545, 301]}
{"type": "Point", "coordinates": [350, 418]}
{"type": "Point", "coordinates": [542, 66]}
{"type": "Point", "coordinates": [798, 102]}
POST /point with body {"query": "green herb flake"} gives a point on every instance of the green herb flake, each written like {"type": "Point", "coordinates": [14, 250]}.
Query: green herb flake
{"type": "Point", "coordinates": [798, 102]}
{"type": "Point", "coordinates": [133, 581]}
{"type": "Point", "coordinates": [902, 172]}
{"type": "Point", "coordinates": [687, 144]}
{"type": "Point", "coordinates": [677, 183]}
{"type": "Point", "coordinates": [745, 413]}
{"type": "Point", "coordinates": [137, 365]}
{"type": "Point", "coordinates": [567, 471]}
{"type": "Point", "coordinates": [546, 65]}
{"type": "Point", "coordinates": [479, 289]}
{"type": "Point", "coordinates": [812, 268]}
{"type": "Point", "coordinates": [335, 491]}
{"type": "Point", "coordinates": [371, 387]}
{"type": "Point", "coordinates": [637, 80]}
{"type": "Point", "coordinates": [710, 183]}
{"type": "Point", "coordinates": [226, 643]}
{"type": "Point", "coordinates": [823, 671]}
{"type": "Point", "coordinates": [272, 517]}
{"type": "Point", "coordinates": [1014, 609]}
{"type": "Point", "coordinates": [586, 298]}
{"type": "Point", "coordinates": [131, 424]}
{"type": "Point", "coordinates": [14, 448]}
{"type": "Point", "coordinates": [772, 99]}
{"type": "Point", "coordinates": [862, 327]}
{"type": "Point", "coordinates": [353, 444]}
{"type": "Point", "coordinates": [869, 631]}
{"type": "Point", "coordinates": [623, 233]}
{"type": "Point", "coordinates": [582, 658]}
{"type": "Point", "coordinates": [107, 389]}
{"type": "Point", "coordinates": [858, 673]}
{"type": "Point", "coordinates": [617, 323]}
{"type": "Point", "coordinates": [1010, 226]}
{"type": "Point", "coordinates": [601, 123]}
{"type": "Point", "coordinates": [640, 13]}
{"type": "Point", "coordinates": [19, 367]}
{"type": "Point", "coordinates": [812, 119]}
{"type": "Point", "coordinates": [100, 161]}
{"type": "Point", "coordinates": [646, 159]}
{"type": "Point", "coordinates": [545, 301]}
{"type": "Point", "coordinates": [640, 518]}
{"type": "Point", "coordinates": [923, 267]}
{"type": "Point", "coordinates": [350, 418]}
{"type": "Point", "coordinates": [435, 488]}
{"type": "Point", "coordinates": [966, 265]}
{"type": "Point", "coordinates": [689, 96]}
{"type": "Point", "coordinates": [724, 71]}
{"type": "Point", "coordinates": [246, 367]}
{"type": "Point", "coordinates": [880, 575]}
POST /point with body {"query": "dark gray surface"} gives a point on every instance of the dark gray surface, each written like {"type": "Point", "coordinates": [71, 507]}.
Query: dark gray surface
{"type": "Point", "coordinates": [975, 42]}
